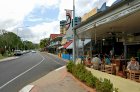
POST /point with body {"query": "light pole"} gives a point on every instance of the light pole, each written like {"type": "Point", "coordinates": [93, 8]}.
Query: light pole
{"type": "Point", "coordinates": [74, 38]}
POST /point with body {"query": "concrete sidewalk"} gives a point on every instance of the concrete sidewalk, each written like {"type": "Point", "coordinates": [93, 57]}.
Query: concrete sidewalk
{"type": "Point", "coordinates": [58, 81]}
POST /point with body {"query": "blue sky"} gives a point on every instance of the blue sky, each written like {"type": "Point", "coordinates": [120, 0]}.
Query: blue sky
{"type": "Point", "coordinates": [40, 15]}
{"type": "Point", "coordinates": [37, 19]}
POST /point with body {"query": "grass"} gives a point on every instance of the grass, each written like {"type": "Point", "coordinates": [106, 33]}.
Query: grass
{"type": "Point", "coordinates": [2, 57]}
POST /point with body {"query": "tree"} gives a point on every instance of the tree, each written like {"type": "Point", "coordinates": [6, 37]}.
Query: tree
{"type": "Point", "coordinates": [9, 41]}
{"type": "Point", "coordinates": [28, 45]}
{"type": "Point", "coordinates": [44, 42]}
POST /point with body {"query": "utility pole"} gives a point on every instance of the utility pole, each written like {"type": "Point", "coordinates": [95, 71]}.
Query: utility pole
{"type": "Point", "coordinates": [74, 37]}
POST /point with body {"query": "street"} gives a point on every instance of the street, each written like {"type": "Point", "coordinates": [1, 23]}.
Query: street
{"type": "Point", "coordinates": [15, 74]}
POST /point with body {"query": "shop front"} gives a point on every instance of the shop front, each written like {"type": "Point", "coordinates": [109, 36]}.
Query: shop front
{"type": "Point", "coordinates": [115, 29]}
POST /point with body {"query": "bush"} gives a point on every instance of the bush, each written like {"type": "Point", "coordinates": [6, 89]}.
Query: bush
{"type": "Point", "coordinates": [69, 66]}
{"type": "Point", "coordinates": [105, 86]}
{"type": "Point", "coordinates": [80, 72]}
{"type": "Point", "coordinates": [90, 79]}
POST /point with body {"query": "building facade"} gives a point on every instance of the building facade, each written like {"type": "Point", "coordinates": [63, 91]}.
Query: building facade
{"type": "Point", "coordinates": [63, 27]}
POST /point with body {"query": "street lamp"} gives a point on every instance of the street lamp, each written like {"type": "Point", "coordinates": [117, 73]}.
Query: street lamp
{"type": "Point", "coordinates": [74, 38]}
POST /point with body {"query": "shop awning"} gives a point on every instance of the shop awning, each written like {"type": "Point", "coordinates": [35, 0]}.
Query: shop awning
{"type": "Point", "coordinates": [60, 47]}
{"type": "Point", "coordinates": [67, 44]}
{"type": "Point", "coordinates": [79, 44]}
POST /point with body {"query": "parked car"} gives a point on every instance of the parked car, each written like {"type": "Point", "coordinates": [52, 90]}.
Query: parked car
{"type": "Point", "coordinates": [33, 51]}
{"type": "Point", "coordinates": [18, 52]}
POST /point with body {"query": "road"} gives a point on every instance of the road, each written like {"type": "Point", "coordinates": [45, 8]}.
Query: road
{"type": "Point", "coordinates": [15, 74]}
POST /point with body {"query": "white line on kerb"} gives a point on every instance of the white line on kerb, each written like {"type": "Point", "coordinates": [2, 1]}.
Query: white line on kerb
{"type": "Point", "coordinates": [60, 68]}
{"type": "Point", "coordinates": [27, 88]}
{"type": "Point", "coordinates": [22, 73]}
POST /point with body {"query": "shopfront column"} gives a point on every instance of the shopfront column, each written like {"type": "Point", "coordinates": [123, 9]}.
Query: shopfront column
{"type": "Point", "coordinates": [91, 48]}
{"type": "Point", "coordinates": [125, 51]}
{"type": "Point", "coordinates": [83, 45]}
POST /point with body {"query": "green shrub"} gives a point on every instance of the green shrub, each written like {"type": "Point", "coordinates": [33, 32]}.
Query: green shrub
{"type": "Point", "coordinates": [90, 79]}
{"type": "Point", "coordinates": [80, 72]}
{"type": "Point", "coordinates": [69, 66]}
{"type": "Point", "coordinates": [115, 89]}
{"type": "Point", "coordinates": [104, 86]}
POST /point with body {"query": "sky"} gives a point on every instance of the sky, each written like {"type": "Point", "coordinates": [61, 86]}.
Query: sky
{"type": "Point", "coordinates": [36, 19]}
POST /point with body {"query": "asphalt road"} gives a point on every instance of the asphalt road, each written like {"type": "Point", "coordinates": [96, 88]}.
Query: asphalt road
{"type": "Point", "coordinates": [15, 74]}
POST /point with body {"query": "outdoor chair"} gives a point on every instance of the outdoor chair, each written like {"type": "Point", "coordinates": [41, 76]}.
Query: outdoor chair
{"type": "Point", "coordinates": [109, 69]}
{"type": "Point", "coordinates": [135, 75]}
{"type": "Point", "coordinates": [102, 67]}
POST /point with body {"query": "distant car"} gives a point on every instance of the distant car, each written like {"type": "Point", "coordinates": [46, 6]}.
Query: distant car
{"type": "Point", "coordinates": [18, 52]}
{"type": "Point", "coordinates": [33, 51]}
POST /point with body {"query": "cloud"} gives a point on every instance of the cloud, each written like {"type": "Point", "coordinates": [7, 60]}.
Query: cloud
{"type": "Point", "coordinates": [81, 6]}
{"type": "Point", "coordinates": [48, 3]}
{"type": "Point", "coordinates": [13, 13]}
{"type": "Point", "coordinates": [43, 30]}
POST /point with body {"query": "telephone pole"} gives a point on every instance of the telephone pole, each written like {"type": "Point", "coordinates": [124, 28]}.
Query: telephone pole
{"type": "Point", "coordinates": [74, 37]}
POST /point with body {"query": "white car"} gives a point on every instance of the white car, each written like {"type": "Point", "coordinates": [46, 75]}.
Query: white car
{"type": "Point", "coordinates": [18, 52]}
{"type": "Point", "coordinates": [33, 51]}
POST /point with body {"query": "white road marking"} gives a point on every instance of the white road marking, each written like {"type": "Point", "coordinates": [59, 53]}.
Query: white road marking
{"type": "Point", "coordinates": [27, 88]}
{"type": "Point", "coordinates": [22, 73]}
{"type": "Point", "coordinates": [60, 68]}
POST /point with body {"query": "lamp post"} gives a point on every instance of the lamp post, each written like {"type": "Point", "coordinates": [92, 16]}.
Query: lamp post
{"type": "Point", "coordinates": [74, 37]}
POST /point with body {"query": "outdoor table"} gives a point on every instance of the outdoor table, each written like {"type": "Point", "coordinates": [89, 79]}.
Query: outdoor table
{"type": "Point", "coordinates": [109, 69]}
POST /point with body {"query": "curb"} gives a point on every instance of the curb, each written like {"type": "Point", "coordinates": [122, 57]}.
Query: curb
{"type": "Point", "coordinates": [9, 58]}
{"type": "Point", "coordinates": [27, 88]}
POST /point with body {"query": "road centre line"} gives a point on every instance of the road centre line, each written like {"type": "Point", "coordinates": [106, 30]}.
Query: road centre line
{"type": "Point", "coordinates": [22, 73]}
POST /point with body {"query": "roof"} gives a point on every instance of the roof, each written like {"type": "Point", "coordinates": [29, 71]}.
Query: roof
{"type": "Point", "coordinates": [99, 14]}
{"type": "Point", "coordinates": [80, 43]}
{"type": "Point", "coordinates": [67, 44]}
{"type": "Point", "coordinates": [53, 36]}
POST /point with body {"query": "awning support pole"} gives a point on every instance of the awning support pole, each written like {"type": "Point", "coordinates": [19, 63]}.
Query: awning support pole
{"type": "Point", "coordinates": [91, 48]}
